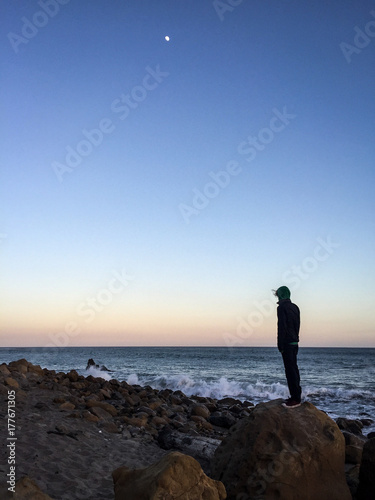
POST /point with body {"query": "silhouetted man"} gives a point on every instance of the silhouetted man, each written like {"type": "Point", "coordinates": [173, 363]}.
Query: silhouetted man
{"type": "Point", "coordinates": [288, 324]}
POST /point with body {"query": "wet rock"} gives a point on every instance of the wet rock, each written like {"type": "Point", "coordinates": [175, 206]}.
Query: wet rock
{"type": "Point", "coordinates": [366, 421]}
{"type": "Point", "coordinates": [228, 402]}
{"type": "Point", "coordinates": [174, 476]}
{"type": "Point", "coordinates": [91, 364]}
{"type": "Point", "coordinates": [248, 404]}
{"type": "Point", "coordinates": [353, 426]}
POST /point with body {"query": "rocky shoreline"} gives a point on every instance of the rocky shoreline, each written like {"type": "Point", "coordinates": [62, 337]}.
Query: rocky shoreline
{"type": "Point", "coordinates": [73, 432]}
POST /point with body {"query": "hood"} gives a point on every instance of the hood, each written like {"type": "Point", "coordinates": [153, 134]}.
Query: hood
{"type": "Point", "coordinates": [283, 293]}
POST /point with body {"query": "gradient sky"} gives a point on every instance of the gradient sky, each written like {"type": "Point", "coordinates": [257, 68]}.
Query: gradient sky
{"type": "Point", "coordinates": [154, 192]}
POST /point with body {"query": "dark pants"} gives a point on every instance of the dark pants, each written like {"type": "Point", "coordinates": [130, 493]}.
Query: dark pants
{"type": "Point", "coordinates": [291, 371]}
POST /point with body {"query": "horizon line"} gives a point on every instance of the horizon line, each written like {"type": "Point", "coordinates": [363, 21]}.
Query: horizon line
{"type": "Point", "coordinates": [185, 346]}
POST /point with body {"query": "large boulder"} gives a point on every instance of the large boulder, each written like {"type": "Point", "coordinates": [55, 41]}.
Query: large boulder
{"type": "Point", "coordinates": [175, 476]}
{"type": "Point", "coordinates": [366, 488]}
{"type": "Point", "coordinates": [278, 452]}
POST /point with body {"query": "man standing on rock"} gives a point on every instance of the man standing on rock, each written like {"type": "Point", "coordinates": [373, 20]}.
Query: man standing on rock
{"type": "Point", "coordinates": [288, 323]}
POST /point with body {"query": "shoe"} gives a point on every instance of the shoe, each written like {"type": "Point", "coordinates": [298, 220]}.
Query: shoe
{"type": "Point", "coordinates": [291, 403]}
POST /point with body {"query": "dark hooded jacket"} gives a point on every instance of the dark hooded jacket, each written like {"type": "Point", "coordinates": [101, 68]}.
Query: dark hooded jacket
{"type": "Point", "coordinates": [288, 323]}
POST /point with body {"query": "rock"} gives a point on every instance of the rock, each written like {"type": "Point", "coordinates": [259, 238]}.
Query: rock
{"type": "Point", "coordinates": [248, 404]}
{"type": "Point", "coordinates": [366, 488]}
{"type": "Point", "coordinates": [366, 421]}
{"type": "Point", "coordinates": [283, 453]}
{"type": "Point", "coordinates": [27, 489]}
{"type": "Point", "coordinates": [91, 363]}
{"type": "Point", "coordinates": [159, 421]}
{"type": "Point", "coordinates": [154, 404]}
{"type": "Point", "coordinates": [4, 370]}
{"type": "Point", "coordinates": [20, 366]}
{"type": "Point", "coordinates": [371, 435]}
{"type": "Point", "coordinates": [222, 419]}
{"type": "Point", "coordinates": [38, 370]}
{"type": "Point", "coordinates": [105, 406]}
{"type": "Point", "coordinates": [174, 476]}
{"type": "Point", "coordinates": [67, 406]}
{"type": "Point", "coordinates": [200, 411]}
{"type": "Point", "coordinates": [353, 448]}
{"type": "Point", "coordinates": [201, 422]}
{"type": "Point", "coordinates": [11, 382]}
{"type": "Point", "coordinates": [352, 479]}
{"type": "Point", "coordinates": [135, 421]}
{"type": "Point", "coordinates": [353, 426]}
{"type": "Point", "coordinates": [73, 376]}
{"type": "Point", "coordinates": [105, 393]}
{"type": "Point", "coordinates": [59, 400]}
{"type": "Point", "coordinates": [229, 402]}
{"type": "Point", "coordinates": [90, 417]}
{"type": "Point", "coordinates": [110, 427]}
{"type": "Point", "coordinates": [100, 413]}
{"type": "Point", "coordinates": [4, 390]}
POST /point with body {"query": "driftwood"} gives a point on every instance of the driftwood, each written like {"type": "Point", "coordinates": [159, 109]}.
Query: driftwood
{"type": "Point", "coordinates": [201, 448]}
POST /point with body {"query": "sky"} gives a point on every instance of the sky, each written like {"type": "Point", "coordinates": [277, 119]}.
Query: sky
{"type": "Point", "coordinates": [155, 191]}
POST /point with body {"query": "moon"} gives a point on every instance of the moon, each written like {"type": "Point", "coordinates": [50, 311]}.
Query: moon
{"type": "Point", "coordinates": [166, 38]}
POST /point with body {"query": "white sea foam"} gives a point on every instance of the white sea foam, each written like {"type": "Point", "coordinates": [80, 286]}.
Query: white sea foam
{"type": "Point", "coordinates": [96, 372]}
{"type": "Point", "coordinates": [133, 379]}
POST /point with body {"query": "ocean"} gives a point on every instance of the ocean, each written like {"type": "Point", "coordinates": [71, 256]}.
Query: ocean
{"type": "Point", "coordinates": [339, 381]}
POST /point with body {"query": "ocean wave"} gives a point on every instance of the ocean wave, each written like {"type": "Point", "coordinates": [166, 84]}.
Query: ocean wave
{"type": "Point", "coordinates": [338, 393]}
{"type": "Point", "coordinates": [260, 391]}
{"type": "Point", "coordinates": [96, 372]}
{"type": "Point", "coordinates": [216, 389]}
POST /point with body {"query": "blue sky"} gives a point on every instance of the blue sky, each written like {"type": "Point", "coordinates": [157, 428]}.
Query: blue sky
{"type": "Point", "coordinates": [205, 170]}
